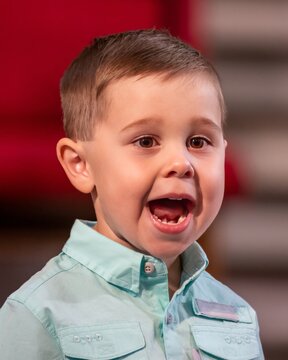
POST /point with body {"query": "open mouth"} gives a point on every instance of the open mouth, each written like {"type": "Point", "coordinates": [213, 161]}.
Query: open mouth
{"type": "Point", "coordinates": [169, 210]}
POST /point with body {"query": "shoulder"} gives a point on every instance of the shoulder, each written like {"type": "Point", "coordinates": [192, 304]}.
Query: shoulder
{"type": "Point", "coordinates": [207, 284]}
{"type": "Point", "coordinates": [37, 298]}
{"type": "Point", "coordinates": [54, 271]}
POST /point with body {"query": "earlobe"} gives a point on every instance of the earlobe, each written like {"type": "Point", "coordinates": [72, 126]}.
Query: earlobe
{"type": "Point", "coordinates": [72, 158]}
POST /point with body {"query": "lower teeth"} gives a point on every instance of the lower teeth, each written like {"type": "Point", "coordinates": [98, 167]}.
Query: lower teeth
{"type": "Point", "coordinates": [182, 218]}
{"type": "Point", "coordinates": [165, 221]}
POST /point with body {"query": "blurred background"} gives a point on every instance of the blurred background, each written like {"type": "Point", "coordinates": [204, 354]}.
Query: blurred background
{"type": "Point", "coordinates": [248, 43]}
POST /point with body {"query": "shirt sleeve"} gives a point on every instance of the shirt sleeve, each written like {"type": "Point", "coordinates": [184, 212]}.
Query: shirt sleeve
{"type": "Point", "coordinates": [22, 336]}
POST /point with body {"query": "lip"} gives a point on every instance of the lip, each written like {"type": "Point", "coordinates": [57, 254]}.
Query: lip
{"type": "Point", "coordinates": [175, 195]}
{"type": "Point", "coordinates": [174, 228]}
{"type": "Point", "coordinates": [184, 196]}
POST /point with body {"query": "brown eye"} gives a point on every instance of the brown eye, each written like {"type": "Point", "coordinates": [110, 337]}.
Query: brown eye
{"type": "Point", "coordinates": [146, 142]}
{"type": "Point", "coordinates": [197, 142]}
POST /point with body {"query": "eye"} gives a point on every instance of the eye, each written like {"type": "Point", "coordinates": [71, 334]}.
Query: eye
{"type": "Point", "coordinates": [146, 142]}
{"type": "Point", "coordinates": [197, 142]}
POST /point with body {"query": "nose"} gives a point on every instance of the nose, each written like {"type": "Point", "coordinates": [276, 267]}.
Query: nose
{"type": "Point", "coordinates": [179, 166]}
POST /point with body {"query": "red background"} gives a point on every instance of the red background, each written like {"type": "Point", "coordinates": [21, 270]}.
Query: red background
{"type": "Point", "coordinates": [38, 41]}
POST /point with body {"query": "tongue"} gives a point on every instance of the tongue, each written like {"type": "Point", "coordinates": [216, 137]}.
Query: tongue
{"type": "Point", "coordinates": [165, 208]}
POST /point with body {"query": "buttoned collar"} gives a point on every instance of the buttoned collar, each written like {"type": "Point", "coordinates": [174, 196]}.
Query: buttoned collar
{"type": "Point", "coordinates": [122, 266]}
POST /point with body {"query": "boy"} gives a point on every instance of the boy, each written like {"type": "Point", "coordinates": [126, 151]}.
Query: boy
{"type": "Point", "coordinates": [143, 114]}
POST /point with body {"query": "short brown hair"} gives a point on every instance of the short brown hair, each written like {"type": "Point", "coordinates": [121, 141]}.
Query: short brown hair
{"type": "Point", "coordinates": [110, 58]}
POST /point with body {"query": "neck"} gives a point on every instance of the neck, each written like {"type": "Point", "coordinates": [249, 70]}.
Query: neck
{"type": "Point", "coordinates": [174, 276]}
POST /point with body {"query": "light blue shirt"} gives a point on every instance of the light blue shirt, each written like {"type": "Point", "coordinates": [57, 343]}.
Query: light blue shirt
{"type": "Point", "coordinates": [101, 300]}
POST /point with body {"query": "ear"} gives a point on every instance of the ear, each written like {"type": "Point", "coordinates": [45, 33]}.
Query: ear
{"type": "Point", "coordinates": [72, 158]}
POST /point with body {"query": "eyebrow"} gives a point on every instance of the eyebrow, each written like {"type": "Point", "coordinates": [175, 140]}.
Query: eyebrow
{"type": "Point", "coordinates": [206, 122]}
{"type": "Point", "coordinates": [141, 123]}
{"type": "Point", "coordinates": [197, 121]}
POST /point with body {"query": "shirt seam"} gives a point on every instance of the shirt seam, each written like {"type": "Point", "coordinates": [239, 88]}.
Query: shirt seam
{"type": "Point", "coordinates": [24, 300]}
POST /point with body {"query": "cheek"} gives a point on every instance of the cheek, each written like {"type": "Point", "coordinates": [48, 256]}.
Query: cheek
{"type": "Point", "coordinates": [214, 180]}
{"type": "Point", "coordinates": [212, 191]}
{"type": "Point", "coordinates": [118, 185]}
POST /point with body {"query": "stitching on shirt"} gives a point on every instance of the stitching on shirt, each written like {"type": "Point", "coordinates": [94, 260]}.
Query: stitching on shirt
{"type": "Point", "coordinates": [19, 295]}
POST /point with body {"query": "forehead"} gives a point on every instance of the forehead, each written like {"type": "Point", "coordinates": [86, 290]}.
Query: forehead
{"type": "Point", "coordinates": [155, 95]}
{"type": "Point", "coordinates": [163, 80]}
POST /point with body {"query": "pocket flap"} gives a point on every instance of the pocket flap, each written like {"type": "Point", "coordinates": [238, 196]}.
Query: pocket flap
{"type": "Point", "coordinates": [228, 343]}
{"type": "Point", "coordinates": [101, 342]}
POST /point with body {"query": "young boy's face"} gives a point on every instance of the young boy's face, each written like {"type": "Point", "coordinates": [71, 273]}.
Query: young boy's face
{"type": "Point", "coordinates": [157, 162]}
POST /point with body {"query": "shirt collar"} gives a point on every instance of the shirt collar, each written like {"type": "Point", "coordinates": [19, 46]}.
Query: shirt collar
{"type": "Point", "coordinates": [194, 262]}
{"type": "Point", "coordinates": [98, 254]}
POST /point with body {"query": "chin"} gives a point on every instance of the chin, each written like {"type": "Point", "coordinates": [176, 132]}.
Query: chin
{"type": "Point", "coordinates": [170, 252]}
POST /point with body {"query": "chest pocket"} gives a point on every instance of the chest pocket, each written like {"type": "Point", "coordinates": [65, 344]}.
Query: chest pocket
{"type": "Point", "coordinates": [224, 332]}
{"type": "Point", "coordinates": [118, 340]}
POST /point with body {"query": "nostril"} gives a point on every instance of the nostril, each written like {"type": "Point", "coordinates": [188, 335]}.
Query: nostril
{"type": "Point", "coordinates": [181, 170]}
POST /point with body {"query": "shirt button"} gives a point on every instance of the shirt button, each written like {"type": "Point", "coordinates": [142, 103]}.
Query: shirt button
{"type": "Point", "coordinates": [169, 319]}
{"type": "Point", "coordinates": [149, 267]}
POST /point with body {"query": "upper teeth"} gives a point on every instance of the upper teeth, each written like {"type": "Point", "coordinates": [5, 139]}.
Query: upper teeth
{"type": "Point", "coordinates": [175, 198]}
